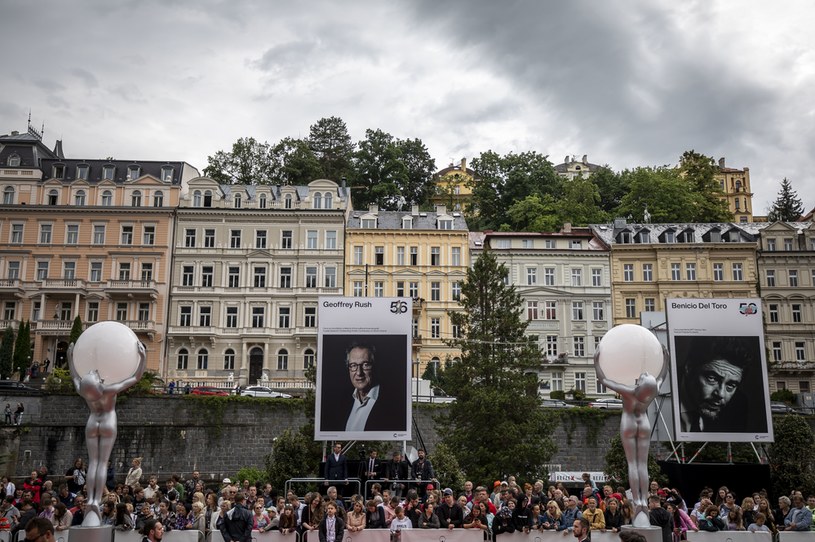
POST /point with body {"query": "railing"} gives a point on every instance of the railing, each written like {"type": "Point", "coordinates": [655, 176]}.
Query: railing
{"type": "Point", "coordinates": [56, 325]}
{"type": "Point", "coordinates": [10, 283]}
{"type": "Point", "coordinates": [132, 284]}
{"type": "Point", "coordinates": [323, 481]}
{"type": "Point", "coordinates": [63, 283]}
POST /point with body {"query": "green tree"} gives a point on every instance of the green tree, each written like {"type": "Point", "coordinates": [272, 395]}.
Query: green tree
{"type": "Point", "coordinates": [533, 213]}
{"type": "Point", "coordinates": [787, 207]}
{"type": "Point", "coordinates": [580, 203]}
{"type": "Point", "coordinates": [292, 452]}
{"type": "Point", "coordinates": [497, 373]}
{"type": "Point", "coordinates": [247, 163]}
{"type": "Point", "coordinates": [709, 203]}
{"type": "Point", "coordinates": [418, 185]}
{"type": "Point", "coordinates": [292, 162]}
{"type": "Point", "coordinates": [611, 187]}
{"type": "Point", "coordinates": [332, 146]}
{"type": "Point", "coordinates": [76, 330]}
{"type": "Point", "coordinates": [6, 353]}
{"type": "Point", "coordinates": [791, 455]}
{"type": "Point", "coordinates": [447, 468]}
{"type": "Point", "coordinates": [22, 348]}
{"type": "Point", "coordinates": [659, 192]}
{"type": "Point", "coordinates": [378, 172]}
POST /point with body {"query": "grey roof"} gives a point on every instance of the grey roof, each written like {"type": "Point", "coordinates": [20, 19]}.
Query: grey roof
{"type": "Point", "coordinates": [699, 232]}
{"type": "Point", "coordinates": [147, 167]}
{"type": "Point", "coordinates": [27, 146]}
{"type": "Point", "coordinates": [392, 220]}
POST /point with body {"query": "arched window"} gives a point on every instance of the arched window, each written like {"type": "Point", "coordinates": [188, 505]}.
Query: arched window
{"type": "Point", "coordinates": [738, 186]}
{"type": "Point", "coordinates": [183, 358]}
{"type": "Point", "coordinates": [158, 199]}
{"type": "Point", "coordinates": [53, 197]}
{"type": "Point", "coordinates": [237, 201]}
{"type": "Point", "coordinates": [229, 360]}
{"type": "Point", "coordinates": [196, 198]}
{"type": "Point", "coordinates": [135, 199]}
{"type": "Point", "coordinates": [308, 358]}
{"type": "Point", "coordinates": [208, 198]}
{"type": "Point", "coordinates": [318, 201]}
{"type": "Point", "coordinates": [8, 195]}
{"type": "Point", "coordinates": [107, 198]}
{"type": "Point", "coordinates": [13, 160]}
{"type": "Point", "coordinates": [262, 201]}
{"type": "Point", "coordinates": [203, 359]}
{"type": "Point", "coordinates": [283, 360]}
{"type": "Point", "coordinates": [288, 201]}
{"type": "Point", "coordinates": [79, 198]}
{"type": "Point", "coordinates": [328, 201]}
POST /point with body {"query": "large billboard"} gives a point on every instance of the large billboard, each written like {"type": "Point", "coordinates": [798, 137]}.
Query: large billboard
{"type": "Point", "coordinates": [720, 390]}
{"type": "Point", "coordinates": [363, 369]}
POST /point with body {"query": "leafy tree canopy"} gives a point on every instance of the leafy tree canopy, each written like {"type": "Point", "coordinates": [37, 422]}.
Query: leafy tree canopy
{"type": "Point", "coordinates": [332, 147]}
{"type": "Point", "coordinates": [659, 193]}
{"type": "Point", "coordinates": [787, 207]}
{"type": "Point", "coordinates": [247, 163]}
{"type": "Point", "coordinates": [707, 196]}
{"type": "Point", "coordinates": [292, 162]}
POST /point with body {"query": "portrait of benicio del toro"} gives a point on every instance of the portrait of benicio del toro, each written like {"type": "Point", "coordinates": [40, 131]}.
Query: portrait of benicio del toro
{"type": "Point", "coordinates": [364, 383]}
{"type": "Point", "coordinates": [721, 387]}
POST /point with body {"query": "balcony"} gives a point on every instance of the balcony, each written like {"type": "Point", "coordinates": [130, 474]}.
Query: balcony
{"type": "Point", "coordinates": [555, 361]}
{"type": "Point", "coordinates": [66, 286]}
{"type": "Point", "coordinates": [13, 324]}
{"type": "Point", "coordinates": [792, 367]}
{"type": "Point", "coordinates": [132, 289]}
{"type": "Point", "coordinates": [11, 287]}
{"type": "Point", "coordinates": [53, 327]}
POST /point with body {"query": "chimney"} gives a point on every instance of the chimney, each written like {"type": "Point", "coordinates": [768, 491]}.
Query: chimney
{"type": "Point", "coordinates": [721, 162]}
{"type": "Point", "coordinates": [585, 158]}
{"type": "Point", "coordinates": [441, 209]}
{"type": "Point", "coordinates": [58, 150]}
{"type": "Point", "coordinates": [463, 164]}
{"type": "Point", "coordinates": [414, 209]}
{"type": "Point", "coordinates": [373, 208]}
{"type": "Point", "coordinates": [566, 160]}
{"type": "Point", "coordinates": [567, 227]}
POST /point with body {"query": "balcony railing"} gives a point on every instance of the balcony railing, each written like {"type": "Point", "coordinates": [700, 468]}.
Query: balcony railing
{"type": "Point", "coordinates": [63, 283]}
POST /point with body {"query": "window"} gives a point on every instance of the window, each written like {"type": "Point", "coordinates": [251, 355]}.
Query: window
{"type": "Point", "coordinates": [718, 272]}
{"type": "Point", "coordinates": [135, 199]}
{"type": "Point", "coordinates": [196, 198]}
{"type": "Point", "coordinates": [283, 360]}
{"type": "Point", "coordinates": [770, 277]}
{"type": "Point", "coordinates": [258, 317]}
{"type": "Point", "coordinates": [551, 345]}
{"type": "Point", "coordinates": [557, 381]}
{"type": "Point", "coordinates": [107, 198]}
{"type": "Point", "coordinates": [284, 317]}
{"type": "Point", "coordinates": [456, 291]}
{"type": "Point", "coordinates": [598, 311]}
{"type": "Point", "coordinates": [189, 238]}
{"type": "Point", "coordinates": [576, 245]}
{"type": "Point", "coordinates": [79, 198]}
{"type": "Point", "coordinates": [577, 310]}
{"type": "Point", "coordinates": [158, 199]}
{"type": "Point", "coordinates": [549, 276]}
{"type": "Point", "coordinates": [287, 201]}
{"type": "Point", "coordinates": [121, 312]}
{"type": "Point", "coordinates": [93, 311]}
{"type": "Point", "coordinates": [13, 270]}
{"type": "Point", "coordinates": [185, 316]}
{"type": "Point", "coordinates": [149, 235]}
{"type": "Point", "coordinates": [205, 316]}
{"type": "Point", "coordinates": [413, 290]}
{"type": "Point", "coordinates": [311, 239]}
{"type": "Point", "coordinates": [318, 201]}
{"type": "Point", "coordinates": [206, 276]}
{"type": "Point", "coordinates": [369, 223]}
{"type": "Point", "coordinates": [167, 174]}
{"type": "Point", "coordinates": [330, 277]}
{"type": "Point", "coordinates": [331, 239]}
{"type": "Point", "coordinates": [207, 198]}
{"type": "Point", "coordinates": [108, 173]}
{"type": "Point", "coordinates": [8, 195]}
{"type": "Point", "coordinates": [580, 381]}
{"type": "Point", "coordinates": [10, 310]}
{"type": "Point", "coordinates": [260, 239]}
{"type": "Point", "coordinates": [531, 310]}
{"type": "Point", "coordinates": [96, 272]}
{"type": "Point", "coordinates": [358, 256]}
{"type": "Point", "coordinates": [35, 311]}
{"type": "Point", "coordinates": [803, 386]}
{"type": "Point", "coordinates": [45, 234]}
{"type": "Point", "coordinates": [311, 277]}
{"type": "Point", "coordinates": [146, 272]}
{"type": "Point", "coordinates": [182, 359]}
{"type": "Point", "coordinates": [628, 272]}
{"type": "Point", "coordinates": [234, 277]}
{"type": "Point", "coordinates": [455, 330]}
{"type": "Point", "coordinates": [550, 310]}
{"type": "Point", "coordinates": [127, 235]}
{"type": "Point", "coordinates": [407, 223]}
{"type": "Point", "coordinates": [310, 316]}
{"type": "Point", "coordinates": [773, 309]}
{"type": "Point", "coordinates": [13, 160]}
{"type": "Point", "coordinates": [776, 350]}
{"type": "Point", "coordinates": [53, 197]}
{"type": "Point", "coordinates": [445, 224]}
{"type": "Point", "coordinates": [648, 272]}
{"type": "Point", "coordinates": [232, 317]}
{"type": "Point", "coordinates": [579, 346]}
{"type": "Point", "coordinates": [229, 360]}
{"type": "Point", "coordinates": [435, 328]}
{"type": "Point", "coordinates": [630, 307]}
{"type": "Point", "coordinates": [690, 271]}
{"type": "Point", "coordinates": [133, 172]}
{"type": "Point", "coordinates": [143, 314]}
{"type": "Point", "coordinates": [549, 243]}
{"type": "Point", "coordinates": [69, 270]}
{"type": "Point", "coordinates": [209, 238]}
{"type": "Point", "coordinates": [787, 244]}
{"type": "Point", "coordinates": [577, 276]}
{"type": "Point", "coordinates": [400, 288]}
{"type": "Point", "coordinates": [379, 255]}
{"type": "Point", "coordinates": [650, 304]}
{"type": "Point", "coordinates": [435, 256]}
{"type": "Point", "coordinates": [414, 255]}
{"type": "Point", "coordinates": [793, 278]}
{"type": "Point", "coordinates": [738, 273]}
{"type": "Point", "coordinates": [259, 276]}
{"type": "Point", "coordinates": [237, 201]}
{"type": "Point", "coordinates": [42, 270]}
{"type": "Point", "coordinates": [308, 358]}
{"type": "Point", "coordinates": [235, 239]}
{"type": "Point", "coordinates": [98, 234]}
{"type": "Point", "coordinates": [285, 277]}
{"type": "Point", "coordinates": [771, 245]}
{"type": "Point", "coordinates": [400, 255]}
{"type": "Point", "coordinates": [379, 288]}
{"type": "Point", "coordinates": [187, 275]}
{"type": "Point", "coordinates": [676, 272]}
{"type": "Point", "coordinates": [203, 359]}
{"type": "Point", "coordinates": [72, 234]}
{"type": "Point", "coordinates": [526, 243]}
{"type": "Point", "coordinates": [65, 312]}
{"type": "Point", "coordinates": [796, 313]}
{"type": "Point", "coordinates": [455, 256]}
{"type": "Point", "coordinates": [285, 239]}
{"type": "Point", "coordinates": [357, 288]}
{"type": "Point", "coordinates": [531, 276]}
{"type": "Point", "coordinates": [262, 201]}
{"type": "Point", "coordinates": [16, 234]}
{"type": "Point", "coordinates": [800, 351]}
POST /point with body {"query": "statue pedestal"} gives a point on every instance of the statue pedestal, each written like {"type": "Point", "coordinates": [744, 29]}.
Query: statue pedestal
{"type": "Point", "coordinates": [651, 534]}
{"type": "Point", "coordinates": [103, 533]}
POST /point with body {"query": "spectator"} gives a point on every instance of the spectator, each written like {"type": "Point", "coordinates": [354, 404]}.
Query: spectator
{"type": "Point", "coordinates": [237, 523]}
{"type": "Point", "coordinates": [331, 527]}
{"type": "Point", "coordinates": [134, 474]}
{"type": "Point", "coordinates": [429, 519]}
{"type": "Point", "coordinates": [62, 517]}
{"type": "Point", "coordinates": [759, 525]}
{"type": "Point", "coordinates": [39, 529]}
{"type": "Point", "coordinates": [660, 518]}
{"type": "Point", "coordinates": [800, 517]}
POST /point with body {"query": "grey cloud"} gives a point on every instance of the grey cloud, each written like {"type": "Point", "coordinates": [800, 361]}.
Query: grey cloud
{"type": "Point", "coordinates": [86, 77]}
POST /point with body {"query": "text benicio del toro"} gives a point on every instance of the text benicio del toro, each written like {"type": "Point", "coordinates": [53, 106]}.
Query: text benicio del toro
{"type": "Point", "coordinates": [348, 304]}
{"type": "Point", "coordinates": [699, 305]}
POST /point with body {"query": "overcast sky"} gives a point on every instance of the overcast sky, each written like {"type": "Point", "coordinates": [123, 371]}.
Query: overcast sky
{"type": "Point", "coordinates": [627, 82]}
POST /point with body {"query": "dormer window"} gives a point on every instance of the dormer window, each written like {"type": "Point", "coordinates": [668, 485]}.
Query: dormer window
{"type": "Point", "coordinates": [208, 198]}
{"type": "Point", "coordinates": [262, 201]}
{"type": "Point", "coordinates": [79, 198]}
{"type": "Point", "coordinates": [407, 223]}
{"type": "Point", "coordinates": [328, 201]}
{"type": "Point", "coordinates": [13, 160]}
{"type": "Point", "coordinates": [8, 195]}
{"type": "Point", "coordinates": [133, 172]}
{"type": "Point", "coordinates": [369, 223]}
{"type": "Point", "coordinates": [237, 200]}
{"type": "Point", "coordinates": [167, 173]}
{"type": "Point", "coordinates": [58, 171]}
{"type": "Point", "coordinates": [135, 199]}
{"type": "Point", "coordinates": [53, 197]}
{"type": "Point", "coordinates": [158, 199]}
{"type": "Point", "coordinates": [576, 245]}
{"type": "Point", "coordinates": [669, 237]}
{"type": "Point", "coordinates": [318, 201]}
{"type": "Point", "coordinates": [107, 198]}
{"type": "Point", "coordinates": [287, 201]}
{"type": "Point", "coordinates": [643, 237]}
{"type": "Point", "coordinates": [82, 172]}
{"type": "Point", "coordinates": [108, 173]}
{"type": "Point", "coordinates": [445, 223]}
{"type": "Point", "coordinates": [625, 237]}
{"type": "Point", "coordinates": [686, 236]}
{"type": "Point", "coordinates": [196, 198]}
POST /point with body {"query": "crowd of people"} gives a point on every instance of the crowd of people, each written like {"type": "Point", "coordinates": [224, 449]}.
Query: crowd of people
{"type": "Point", "coordinates": [45, 502]}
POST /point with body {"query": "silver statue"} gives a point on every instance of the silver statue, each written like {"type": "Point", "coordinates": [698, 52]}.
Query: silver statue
{"type": "Point", "coordinates": [624, 349]}
{"type": "Point", "coordinates": [107, 359]}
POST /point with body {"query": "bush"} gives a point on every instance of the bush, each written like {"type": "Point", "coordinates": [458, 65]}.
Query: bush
{"type": "Point", "coordinates": [783, 395]}
{"type": "Point", "coordinates": [145, 384]}
{"type": "Point", "coordinates": [253, 474]}
{"type": "Point", "coordinates": [558, 394]}
{"type": "Point", "coordinates": [577, 395]}
{"type": "Point", "coordinates": [448, 471]}
{"type": "Point", "coordinates": [59, 381]}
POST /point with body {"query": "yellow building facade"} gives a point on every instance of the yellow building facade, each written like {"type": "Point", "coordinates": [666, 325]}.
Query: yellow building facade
{"type": "Point", "coordinates": [420, 255]}
{"type": "Point", "coordinates": [454, 186]}
{"type": "Point", "coordinates": [736, 185]}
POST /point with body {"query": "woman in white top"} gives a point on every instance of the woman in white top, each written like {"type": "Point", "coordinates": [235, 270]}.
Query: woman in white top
{"type": "Point", "coordinates": [134, 474]}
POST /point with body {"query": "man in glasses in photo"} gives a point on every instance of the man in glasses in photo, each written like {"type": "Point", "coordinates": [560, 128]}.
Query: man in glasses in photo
{"type": "Point", "coordinates": [368, 410]}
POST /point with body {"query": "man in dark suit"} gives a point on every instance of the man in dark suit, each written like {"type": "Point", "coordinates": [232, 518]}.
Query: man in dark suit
{"type": "Point", "coordinates": [397, 469]}
{"type": "Point", "coordinates": [370, 469]}
{"type": "Point", "coordinates": [422, 472]}
{"type": "Point", "coordinates": [336, 466]}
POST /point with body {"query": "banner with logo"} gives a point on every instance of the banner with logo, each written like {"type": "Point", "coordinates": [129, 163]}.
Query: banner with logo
{"type": "Point", "coordinates": [363, 369]}
{"type": "Point", "coordinates": [719, 373]}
